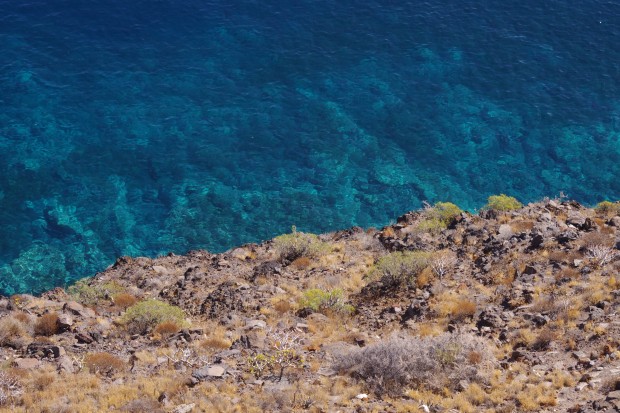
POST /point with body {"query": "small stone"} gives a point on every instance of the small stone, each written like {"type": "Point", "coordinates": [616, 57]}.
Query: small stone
{"type": "Point", "coordinates": [255, 324]}
{"type": "Point", "coordinates": [361, 396]}
{"type": "Point", "coordinates": [65, 364]}
{"type": "Point", "coordinates": [505, 231]}
{"type": "Point", "coordinates": [209, 372]}
{"type": "Point", "coordinates": [613, 395]}
{"type": "Point", "coordinates": [160, 269]}
{"type": "Point", "coordinates": [581, 386]}
{"type": "Point", "coordinates": [27, 363]}
{"type": "Point", "coordinates": [302, 326]}
{"type": "Point", "coordinates": [65, 321]}
{"type": "Point", "coordinates": [76, 308]}
{"type": "Point", "coordinates": [184, 408]}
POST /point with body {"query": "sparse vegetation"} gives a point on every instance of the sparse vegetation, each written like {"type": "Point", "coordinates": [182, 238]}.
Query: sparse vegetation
{"type": "Point", "coordinates": [326, 301]}
{"type": "Point", "coordinates": [142, 317]}
{"type": "Point", "coordinates": [90, 294]}
{"type": "Point", "coordinates": [438, 217]}
{"type": "Point", "coordinates": [400, 267]}
{"type": "Point", "coordinates": [541, 300]}
{"type": "Point", "coordinates": [607, 208]}
{"type": "Point", "coordinates": [290, 247]}
{"type": "Point", "coordinates": [503, 203]}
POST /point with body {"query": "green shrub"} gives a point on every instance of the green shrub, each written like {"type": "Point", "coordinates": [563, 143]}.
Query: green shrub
{"type": "Point", "coordinates": [607, 208]}
{"type": "Point", "coordinates": [326, 301]}
{"type": "Point", "coordinates": [503, 203]}
{"type": "Point", "coordinates": [142, 317]}
{"type": "Point", "coordinates": [438, 217]}
{"type": "Point", "coordinates": [299, 244]}
{"type": "Point", "coordinates": [88, 294]}
{"type": "Point", "coordinates": [445, 212]}
{"type": "Point", "coordinates": [399, 267]}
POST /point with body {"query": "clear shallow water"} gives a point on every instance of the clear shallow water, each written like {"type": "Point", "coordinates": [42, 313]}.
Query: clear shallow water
{"type": "Point", "coordinates": [142, 127]}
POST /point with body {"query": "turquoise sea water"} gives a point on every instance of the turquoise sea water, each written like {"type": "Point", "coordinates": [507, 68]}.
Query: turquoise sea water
{"type": "Point", "coordinates": [142, 127]}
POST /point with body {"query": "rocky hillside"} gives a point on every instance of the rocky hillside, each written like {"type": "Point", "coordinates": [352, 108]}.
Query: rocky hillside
{"type": "Point", "coordinates": [509, 310]}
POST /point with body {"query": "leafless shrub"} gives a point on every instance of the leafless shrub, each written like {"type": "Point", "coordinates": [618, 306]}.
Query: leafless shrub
{"type": "Point", "coordinates": [442, 262]}
{"type": "Point", "coordinates": [10, 388]}
{"type": "Point", "coordinates": [602, 254]}
{"type": "Point", "coordinates": [432, 362]}
{"type": "Point", "coordinates": [188, 357]}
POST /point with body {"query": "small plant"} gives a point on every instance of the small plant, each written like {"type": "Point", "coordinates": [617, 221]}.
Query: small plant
{"type": "Point", "coordinates": [399, 267]}
{"type": "Point", "coordinates": [124, 300]}
{"type": "Point", "coordinates": [608, 208]}
{"type": "Point", "coordinates": [85, 293]}
{"type": "Point", "coordinates": [326, 301]}
{"type": "Point", "coordinates": [502, 203]}
{"type": "Point", "coordinates": [142, 317]}
{"type": "Point", "coordinates": [47, 325]}
{"type": "Point", "coordinates": [299, 244]}
{"type": "Point", "coordinates": [105, 364]}
{"type": "Point", "coordinates": [445, 212]}
{"type": "Point", "coordinates": [438, 217]}
{"type": "Point", "coordinates": [167, 328]}
{"type": "Point", "coordinates": [13, 332]}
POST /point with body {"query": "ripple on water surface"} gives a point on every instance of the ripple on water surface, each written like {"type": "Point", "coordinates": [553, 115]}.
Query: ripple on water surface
{"type": "Point", "coordinates": [137, 128]}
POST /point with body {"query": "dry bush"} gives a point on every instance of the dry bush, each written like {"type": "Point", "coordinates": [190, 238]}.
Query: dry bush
{"type": "Point", "coordinates": [463, 310]}
{"type": "Point", "coordinates": [105, 364]}
{"type": "Point", "coordinates": [141, 406]}
{"type": "Point", "coordinates": [282, 306]}
{"type": "Point", "coordinates": [558, 257]}
{"type": "Point", "coordinates": [216, 340]}
{"type": "Point", "coordinates": [543, 340]}
{"type": "Point", "coordinates": [124, 300]}
{"type": "Point", "coordinates": [301, 263]}
{"type": "Point", "coordinates": [13, 333]}
{"type": "Point", "coordinates": [167, 328]}
{"type": "Point", "coordinates": [43, 381]}
{"type": "Point", "coordinates": [521, 226]}
{"type": "Point", "coordinates": [21, 316]}
{"type": "Point", "coordinates": [10, 388]}
{"type": "Point", "coordinates": [47, 325]}
{"type": "Point", "coordinates": [438, 362]}
{"type": "Point", "coordinates": [595, 238]}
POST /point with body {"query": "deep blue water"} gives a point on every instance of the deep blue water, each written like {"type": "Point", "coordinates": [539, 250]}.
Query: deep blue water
{"type": "Point", "coordinates": [142, 127]}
